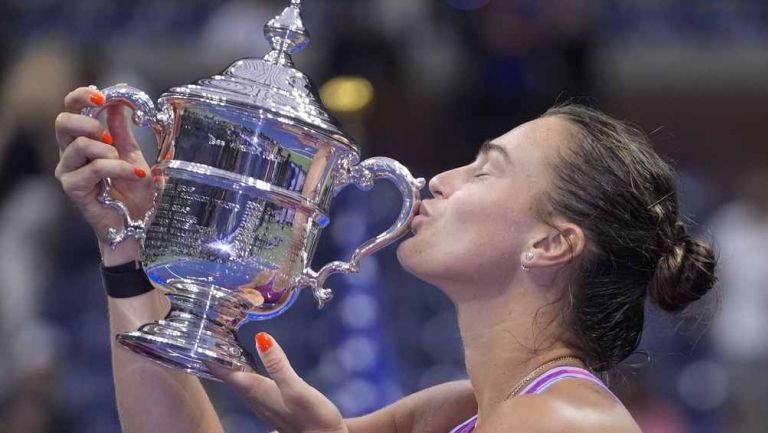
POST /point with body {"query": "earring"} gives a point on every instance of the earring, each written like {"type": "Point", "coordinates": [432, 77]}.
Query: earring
{"type": "Point", "coordinates": [528, 258]}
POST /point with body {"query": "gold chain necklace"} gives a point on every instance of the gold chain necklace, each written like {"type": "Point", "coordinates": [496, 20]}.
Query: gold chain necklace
{"type": "Point", "coordinates": [537, 371]}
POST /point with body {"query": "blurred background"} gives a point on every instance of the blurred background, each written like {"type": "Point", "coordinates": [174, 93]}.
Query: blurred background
{"type": "Point", "coordinates": [424, 82]}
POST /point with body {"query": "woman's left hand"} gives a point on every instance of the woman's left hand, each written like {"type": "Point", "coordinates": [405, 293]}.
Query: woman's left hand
{"type": "Point", "coordinates": [285, 400]}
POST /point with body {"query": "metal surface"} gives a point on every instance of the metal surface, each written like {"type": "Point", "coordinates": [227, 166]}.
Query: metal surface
{"type": "Point", "coordinates": [363, 175]}
{"type": "Point", "coordinates": [271, 83]}
{"type": "Point", "coordinates": [144, 115]}
{"type": "Point", "coordinates": [244, 178]}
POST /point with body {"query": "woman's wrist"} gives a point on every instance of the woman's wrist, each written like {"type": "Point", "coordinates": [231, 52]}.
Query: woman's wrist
{"type": "Point", "coordinates": [125, 252]}
{"type": "Point", "coordinates": [125, 281]}
{"type": "Point", "coordinates": [121, 272]}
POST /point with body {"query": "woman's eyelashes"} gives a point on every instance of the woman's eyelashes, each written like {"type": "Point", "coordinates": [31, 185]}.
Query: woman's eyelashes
{"type": "Point", "coordinates": [481, 171]}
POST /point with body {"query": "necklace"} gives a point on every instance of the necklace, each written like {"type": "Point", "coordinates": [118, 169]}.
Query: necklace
{"type": "Point", "coordinates": [537, 371]}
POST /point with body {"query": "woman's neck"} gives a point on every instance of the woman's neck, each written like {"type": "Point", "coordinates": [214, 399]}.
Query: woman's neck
{"type": "Point", "coordinates": [505, 339]}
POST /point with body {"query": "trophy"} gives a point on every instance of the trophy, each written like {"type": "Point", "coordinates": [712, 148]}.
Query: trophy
{"type": "Point", "coordinates": [249, 161]}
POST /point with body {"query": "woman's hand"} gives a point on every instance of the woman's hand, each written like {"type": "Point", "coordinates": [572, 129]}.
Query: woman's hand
{"type": "Point", "coordinates": [89, 153]}
{"type": "Point", "coordinates": [285, 400]}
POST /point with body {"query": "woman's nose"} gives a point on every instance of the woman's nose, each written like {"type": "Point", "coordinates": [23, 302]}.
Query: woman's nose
{"type": "Point", "coordinates": [440, 184]}
{"type": "Point", "coordinates": [435, 188]}
{"type": "Point", "coordinates": [443, 185]}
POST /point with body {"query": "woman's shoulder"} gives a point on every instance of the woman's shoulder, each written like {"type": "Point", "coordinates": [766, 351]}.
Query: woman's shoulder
{"type": "Point", "coordinates": [573, 405]}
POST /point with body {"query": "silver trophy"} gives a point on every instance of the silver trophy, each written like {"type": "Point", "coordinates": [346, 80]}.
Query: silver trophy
{"type": "Point", "coordinates": [249, 162]}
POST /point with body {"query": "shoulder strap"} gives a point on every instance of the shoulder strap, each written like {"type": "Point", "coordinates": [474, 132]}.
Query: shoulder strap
{"type": "Point", "coordinates": [539, 385]}
{"type": "Point", "coordinates": [467, 426]}
{"type": "Point", "coordinates": [559, 373]}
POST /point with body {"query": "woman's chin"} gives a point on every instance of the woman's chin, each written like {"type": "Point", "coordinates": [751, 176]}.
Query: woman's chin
{"type": "Point", "coordinates": [405, 253]}
{"type": "Point", "coordinates": [412, 258]}
{"type": "Point", "coordinates": [402, 252]}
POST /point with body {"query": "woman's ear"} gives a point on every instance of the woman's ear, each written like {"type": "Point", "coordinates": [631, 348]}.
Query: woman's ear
{"type": "Point", "coordinates": [562, 243]}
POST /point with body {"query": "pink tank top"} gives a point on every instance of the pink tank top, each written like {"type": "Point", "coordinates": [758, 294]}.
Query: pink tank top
{"type": "Point", "coordinates": [540, 385]}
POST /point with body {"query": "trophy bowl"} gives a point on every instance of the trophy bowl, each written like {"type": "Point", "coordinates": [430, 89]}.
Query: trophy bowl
{"type": "Point", "coordinates": [249, 162]}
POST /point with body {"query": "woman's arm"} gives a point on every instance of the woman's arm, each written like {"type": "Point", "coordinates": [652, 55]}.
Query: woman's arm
{"type": "Point", "coordinates": [150, 398]}
{"type": "Point", "coordinates": [434, 410]}
{"type": "Point", "coordinates": [293, 406]}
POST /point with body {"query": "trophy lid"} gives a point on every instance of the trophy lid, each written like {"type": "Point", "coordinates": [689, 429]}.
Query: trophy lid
{"type": "Point", "coordinates": [272, 83]}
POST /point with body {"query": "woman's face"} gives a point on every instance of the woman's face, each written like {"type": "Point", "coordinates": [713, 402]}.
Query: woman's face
{"type": "Point", "coordinates": [483, 216]}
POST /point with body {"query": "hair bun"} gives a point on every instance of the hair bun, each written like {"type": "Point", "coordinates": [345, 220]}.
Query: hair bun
{"type": "Point", "coordinates": [684, 274]}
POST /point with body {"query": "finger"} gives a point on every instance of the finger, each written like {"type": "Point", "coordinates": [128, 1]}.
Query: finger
{"type": "Point", "coordinates": [70, 126]}
{"type": "Point", "coordinates": [243, 382]}
{"type": "Point", "coordinates": [81, 151]}
{"type": "Point", "coordinates": [83, 180]}
{"type": "Point", "coordinates": [276, 363]}
{"type": "Point", "coordinates": [120, 127]}
{"type": "Point", "coordinates": [260, 391]}
{"type": "Point", "coordinates": [83, 97]}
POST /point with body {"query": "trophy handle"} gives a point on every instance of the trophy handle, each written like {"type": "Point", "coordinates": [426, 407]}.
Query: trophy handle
{"type": "Point", "coordinates": [363, 175]}
{"type": "Point", "coordinates": [146, 116]}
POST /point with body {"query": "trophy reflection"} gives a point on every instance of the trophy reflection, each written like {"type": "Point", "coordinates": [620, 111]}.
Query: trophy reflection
{"type": "Point", "coordinates": [249, 163]}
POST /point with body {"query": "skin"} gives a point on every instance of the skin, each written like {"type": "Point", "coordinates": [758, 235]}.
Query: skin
{"type": "Point", "coordinates": [470, 241]}
{"type": "Point", "coordinates": [484, 218]}
{"type": "Point", "coordinates": [149, 397]}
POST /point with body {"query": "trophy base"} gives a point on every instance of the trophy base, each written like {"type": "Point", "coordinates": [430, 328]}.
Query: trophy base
{"type": "Point", "coordinates": [192, 335]}
{"type": "Point", "coordinates": [170, 353]}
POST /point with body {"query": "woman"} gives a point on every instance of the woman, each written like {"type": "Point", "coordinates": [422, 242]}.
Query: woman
{"type": "Point", "coordinates": [549, 244]}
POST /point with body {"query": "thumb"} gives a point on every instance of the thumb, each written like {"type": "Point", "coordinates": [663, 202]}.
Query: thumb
{"type": "Point", "coordinates": [275, 362]}
{"type": "Point", "coordinates": [119, 127]}
{"type": "Point", "coordinates": [243, 382]}
{"type": "Point", "coordinates": [258, 390]}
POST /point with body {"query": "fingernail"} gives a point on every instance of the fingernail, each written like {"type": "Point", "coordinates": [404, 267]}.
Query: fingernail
{"type": "Point", "coordinates": [106, 137]}
{"type": "Point", "coordinates": [98, 98]}
{"type": "Point", "coordinates": [263, 341]}
{"type": "Point", "coordinates": [140, 173]}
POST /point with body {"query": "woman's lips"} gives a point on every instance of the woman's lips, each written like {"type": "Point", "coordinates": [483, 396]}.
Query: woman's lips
{"type": "Point", "coordinates": [417, 221]}
{"type": "Point", "coordinates": [421, 209]}
{"type": "Point", "coordinates": [421, 215]}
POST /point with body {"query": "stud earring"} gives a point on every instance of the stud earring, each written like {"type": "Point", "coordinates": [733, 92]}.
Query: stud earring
{"type": "Point", "coordinates": [528, 258]}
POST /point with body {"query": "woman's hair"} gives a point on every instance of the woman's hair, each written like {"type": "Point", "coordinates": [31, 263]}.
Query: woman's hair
{"type": "Point", "coordinates": [612, 184]}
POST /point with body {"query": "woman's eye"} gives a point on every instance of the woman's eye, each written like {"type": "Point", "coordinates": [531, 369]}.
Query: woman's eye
{"type": "Point", "coordinates": [479, 176]}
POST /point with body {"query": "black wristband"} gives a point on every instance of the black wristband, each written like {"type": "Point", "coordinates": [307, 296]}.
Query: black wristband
{"type": "Point", "coordinates": [125, 281]}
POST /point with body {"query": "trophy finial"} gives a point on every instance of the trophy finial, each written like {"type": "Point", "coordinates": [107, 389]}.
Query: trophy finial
{"type": "Point", "coordinates": [286, 34]}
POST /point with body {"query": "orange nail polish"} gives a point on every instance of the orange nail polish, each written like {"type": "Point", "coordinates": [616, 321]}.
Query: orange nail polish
{"type": "Point", "coordinates": [106, 137]}
{"type": "Point", "coordinates": [140, 173]}
{"type": "Point", "coordinates": [98, 98]}
{"type": "Point", "coordinates": [263, 341]}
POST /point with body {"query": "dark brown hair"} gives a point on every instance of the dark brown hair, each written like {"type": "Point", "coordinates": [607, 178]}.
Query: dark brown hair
{"type": "Point", "coordinates": [612, 184]}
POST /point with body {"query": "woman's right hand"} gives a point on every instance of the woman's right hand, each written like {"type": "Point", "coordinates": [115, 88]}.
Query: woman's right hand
{"type": "Point", "coordinates": [89, 153]}
{"type": "Point", "coordinates": [284, 399]}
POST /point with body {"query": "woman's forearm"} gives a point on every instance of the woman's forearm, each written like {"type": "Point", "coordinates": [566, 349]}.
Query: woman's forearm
{"type": "Point", "coordinates": [152, 398]}
{"type": "Point", "coordinates": [433, 410]}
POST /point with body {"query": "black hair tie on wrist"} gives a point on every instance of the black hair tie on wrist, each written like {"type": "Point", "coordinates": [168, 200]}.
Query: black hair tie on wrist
{"type": "Point", "coordinates": [125, 281]}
